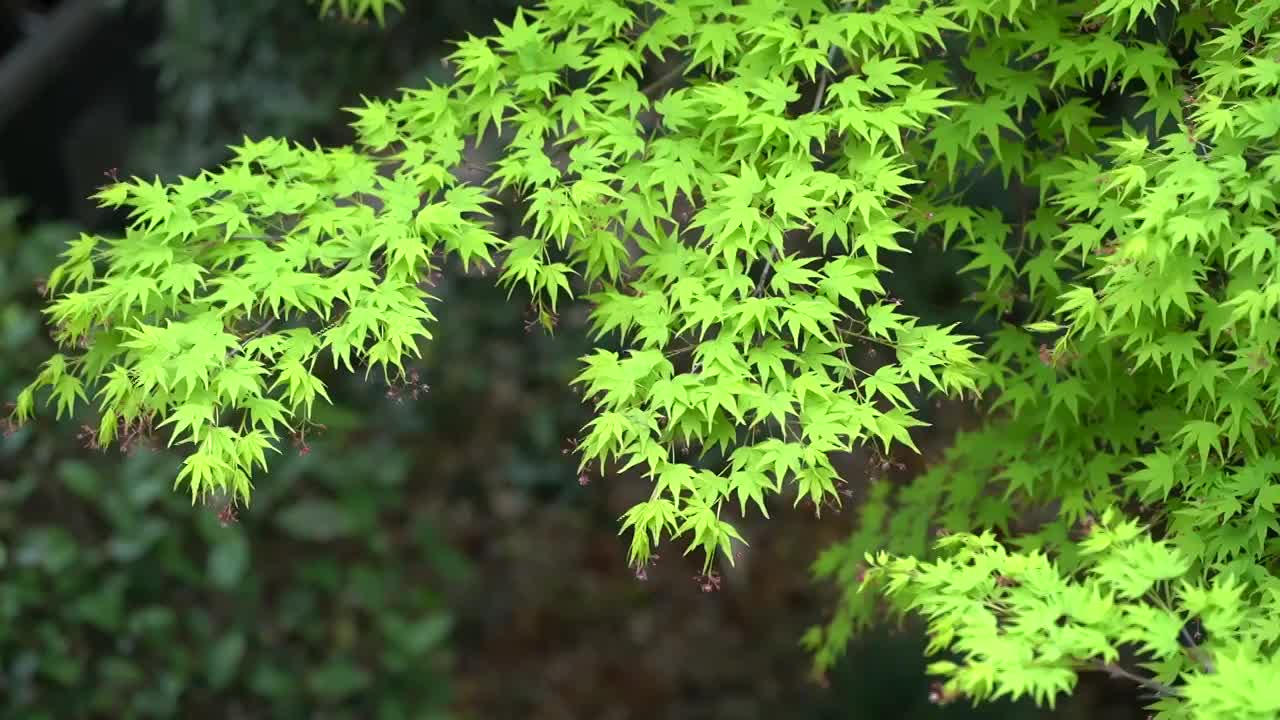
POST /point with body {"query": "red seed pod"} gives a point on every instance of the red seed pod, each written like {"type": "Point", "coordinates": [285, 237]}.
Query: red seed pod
{"type": "Point", "coordinates": [1086, 524]}
{"type": "Point", "coordinates": [709, 582]}
{"type": "Point", "coordinates": [227, 515]}
{"type": "Point", "coordinates": [1046, 355]}
{"type": "Point", "coordinates": [939, 695]}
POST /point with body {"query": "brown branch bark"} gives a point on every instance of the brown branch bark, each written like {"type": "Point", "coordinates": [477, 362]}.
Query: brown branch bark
{"type": "Point", "coordinates": [36, 60]}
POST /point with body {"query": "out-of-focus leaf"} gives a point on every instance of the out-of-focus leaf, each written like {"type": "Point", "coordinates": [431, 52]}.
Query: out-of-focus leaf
{"type": "Point", "coordinates": [314, 519]}
{"type": "Point", "coordinates": [228, 560]}
{"type": "Point", "coordinates": [224, 658]}
{"type": "Point", "coordinates": [79, 477]}
{"type": "Point", "coordinates": [50, 548]}
{"type": "Point", "coordinates": [337, 679]}
{"type": "Point", "coordinates": [103, 606]}
{"type": "Point", "coordinates": [426, 634]}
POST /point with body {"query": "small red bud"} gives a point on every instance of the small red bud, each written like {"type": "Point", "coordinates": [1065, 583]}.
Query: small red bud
{"type": "Point", "coordinates": [227, 515]}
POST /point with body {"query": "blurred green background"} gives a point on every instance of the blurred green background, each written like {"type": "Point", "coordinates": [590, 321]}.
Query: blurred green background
{"type": "Point", "coordinates": [428, 557]}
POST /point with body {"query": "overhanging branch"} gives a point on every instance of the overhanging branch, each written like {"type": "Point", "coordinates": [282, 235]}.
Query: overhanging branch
{"type": "Point", "coordinates": [35, 61]}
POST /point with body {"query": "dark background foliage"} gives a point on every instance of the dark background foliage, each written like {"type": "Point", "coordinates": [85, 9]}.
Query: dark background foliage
{"type": "Point", "coordinates": [421, 552]}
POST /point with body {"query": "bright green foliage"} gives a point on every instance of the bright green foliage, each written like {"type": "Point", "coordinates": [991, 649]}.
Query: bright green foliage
{"type": "Point", "coordinates": [729, 223]}
{"type": "Point", "coordinates": [1023, 628]}
{"type": "Point", "coordinates": [301, 608]}
{"type": "Point", "coordinates": [359, 9]}
{"type": "Point", "coordinates": [208, 317]}
{"type": "Point", "coordinates": [1145, 383]}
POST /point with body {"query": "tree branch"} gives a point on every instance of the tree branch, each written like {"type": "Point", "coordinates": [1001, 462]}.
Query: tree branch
{"type": "Point", "coordinates": [26, 69]}
{"type": "Point", "coordinates": [823, 79]}
{"type": "Point", "coordinates": [1114, 670]}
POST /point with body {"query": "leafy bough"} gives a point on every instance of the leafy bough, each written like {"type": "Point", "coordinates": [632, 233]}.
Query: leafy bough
{"type": "Point", "coordinates": [676, 212]}
{"type": "Point", "coordinates": [728, 224]}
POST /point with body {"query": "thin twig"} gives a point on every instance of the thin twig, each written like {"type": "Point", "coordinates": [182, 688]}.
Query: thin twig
{"type": "Point", "coordinates": [823, 78]}
{"type": "Point", "coordinates": [1161, 689]}
{"type": "Point", "coordinates": [673, 73]}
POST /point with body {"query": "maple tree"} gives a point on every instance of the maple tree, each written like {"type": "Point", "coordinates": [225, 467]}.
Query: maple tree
{"type": "Point", "coordinates": [728, 222]}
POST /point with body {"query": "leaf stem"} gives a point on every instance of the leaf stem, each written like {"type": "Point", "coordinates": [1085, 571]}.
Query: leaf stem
{"type": "Point", "coordinates": [823, 78]}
